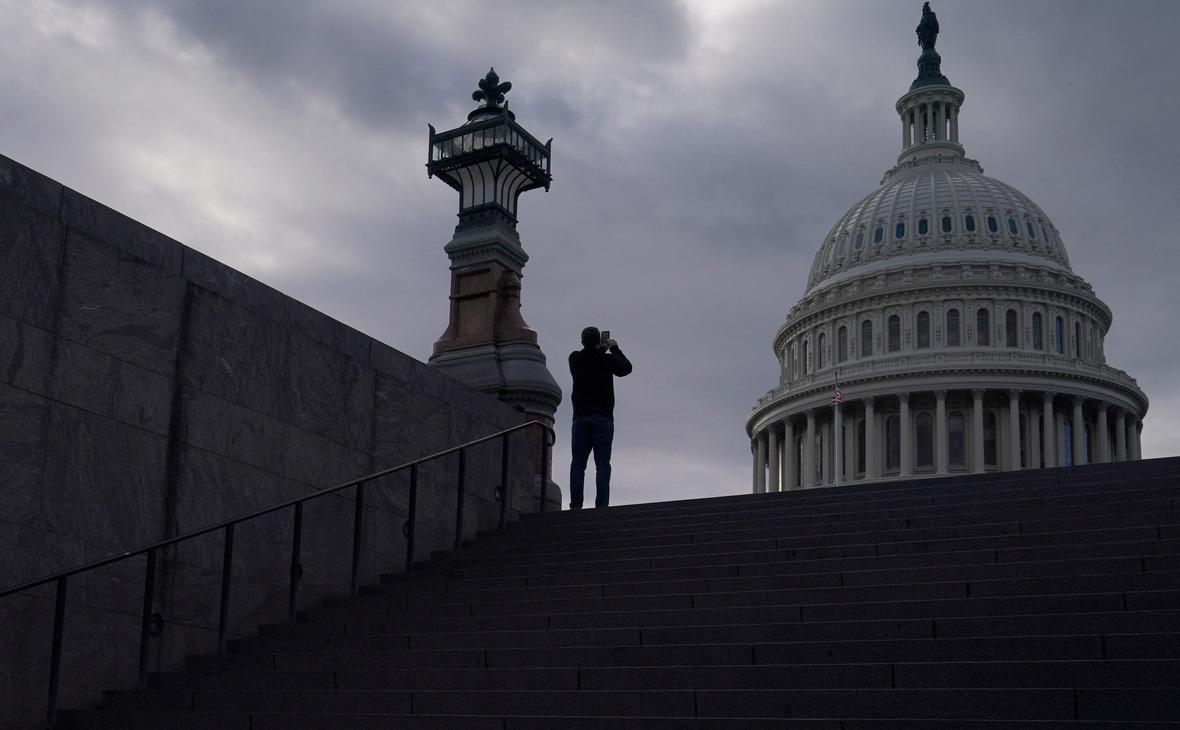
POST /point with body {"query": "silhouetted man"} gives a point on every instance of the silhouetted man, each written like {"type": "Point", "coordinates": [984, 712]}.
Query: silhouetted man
{"type": "Point", "coordinates": [594, 368]}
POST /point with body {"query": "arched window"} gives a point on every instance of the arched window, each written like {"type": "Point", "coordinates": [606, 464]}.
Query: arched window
{"type": "Point", "coordinates": [923, 227]}
{"type": "Point", "coordinates": [923, 330]}
{"type": "Point", "coordinates": [1010, 331]}
{"type": "Point", "coordinates": [860, 447]}
{"type": "Point", "coordinates": [842, 344]}
{"type": "Point", "coordinates": [969, 222]}
{"type": "Point", "coordinates": [894, 333]}
{"type": "Point", "coordinates": [982, 326]}
{"type": "Point", "coordinates": [1077, 339]}
{"type": "Point", "coordinates": [1059, 330]}
{"type": "Point", "coordinates": [956, 439]}
{"type": "Point", "coordinates": [990, 457]}
{"type": "Point", "coordinates": [1012, 227]}
{"type": "Point", "coordinates": [993, 226]}
{"type": "Point", "coordinates": [866, 338]}
{"type": "Point", "coordinates": [1038, 332]}
{"type": "Point", "coordinates": [804, 359]}
{"type": "Point", "coordinates": [1032, 233]}
{"type": "Point", "coordinates": [946, 224]}
{"type": "Point", "coordinates": [925, 434]}
{"type": "Point", "coordinates": [899, 230]}
{"type": "Point", "coordinates": [879, 234]}
{"type": "Point", "coordinates": [821, 350]}
{"type": "Point", "coordinates": [893, 442]}
{"type": "Point", "coordinates": [860, 240]}
{"type": "Point", "coordinates": [952, 328]}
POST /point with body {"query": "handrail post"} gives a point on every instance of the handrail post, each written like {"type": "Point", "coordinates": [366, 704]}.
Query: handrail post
{"type": "Point", "coordinates": [409, 526]}
{"type": "Point", "coordinates": [544, 466]}
{"type": "Point", "coordinates": [460, 497]}
{"type": "Point", "coordinates": [357, 529]}
{"type": "Point", "coordinates": [504, 481]}
{"type": "Point", "coordinates": [227, 563]}
{"type": "Point", "coordinates": [145, 625]}
{"type": "Point", "coordinates": [296, 567]}
{"type": "Point", "coordinates": [59, 620]}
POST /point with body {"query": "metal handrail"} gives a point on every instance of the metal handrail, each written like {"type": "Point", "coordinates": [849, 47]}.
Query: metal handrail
{"type": "Point", "coordinates": [548, 437]}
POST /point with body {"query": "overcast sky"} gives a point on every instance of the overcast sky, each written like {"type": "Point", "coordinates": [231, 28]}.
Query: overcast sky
{"type": "Point", "coordinates": [701, 152]}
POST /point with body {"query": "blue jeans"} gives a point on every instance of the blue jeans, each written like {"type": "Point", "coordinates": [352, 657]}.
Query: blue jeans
{"type": "Point", "coordinates": [591, 433]}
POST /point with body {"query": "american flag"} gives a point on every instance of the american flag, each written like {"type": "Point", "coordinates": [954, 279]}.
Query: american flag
{"type": "Point", "coordinates": [837, 396]}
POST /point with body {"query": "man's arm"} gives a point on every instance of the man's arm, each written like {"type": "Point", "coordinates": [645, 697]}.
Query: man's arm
{"type": "Point", "coordinates": [619, 364]}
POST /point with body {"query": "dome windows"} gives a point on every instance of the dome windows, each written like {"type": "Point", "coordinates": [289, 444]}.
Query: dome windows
{"type": "Point", "coordinates": [1010, 333]}
{"type": "Point", "coordinates": [899, 230]}
{"type": "Point", "coordinates": [894, 333]}
{"type": "Point", "coordinates": [947, 224]}
{"type": "Point", "coordinates": [1038, 332]}
{"type": "Point", "coordinates": [860, 239]}
{"type": "Point", "coordinates": [969, 223]}
{"type": "Point", "coordinates": [923, 330]}
{"type": "Point", "coordinates": [1032, 233]}
{"type": "Point", "coordinates": [1012, 227]}
{"type": "Point", "coordinates": [820, 350]}
{"type": "Point", "coordinates": [879, 234]}
{"type": "Point", "coordinates": [982, 326]}
{"type": "Point", "coordinates": [842, 246]}
{"type": "Point", "coordinates": [866, 338]}
{"type": "Point", "coordinates": [993, 226]}
{"type": "Point", "coordinates": [923, 226]}
{"type": "Point", "coordinates": [842, 344]}
{"type": "Point", "coordinates": [1059, 331]}
{"type": "Point", "coordinates": [952, 328]}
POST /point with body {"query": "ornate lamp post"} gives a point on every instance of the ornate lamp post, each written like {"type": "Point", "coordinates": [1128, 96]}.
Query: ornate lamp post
{"type": "Point", "coordinates": [490, 160]}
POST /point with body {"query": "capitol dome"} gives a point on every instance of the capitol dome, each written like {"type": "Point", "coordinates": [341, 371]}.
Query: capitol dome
{"type": "Point", "coordinates": [942, 329]}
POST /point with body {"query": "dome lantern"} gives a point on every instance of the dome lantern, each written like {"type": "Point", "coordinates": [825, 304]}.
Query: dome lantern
{"type": "Point", "coordinates": [929, 111]}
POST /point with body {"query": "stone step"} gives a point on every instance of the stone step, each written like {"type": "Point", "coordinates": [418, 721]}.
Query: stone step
{"type": "Point", "coordinates": [1138, 514]}
{"type": "Point", "coordinates": [1124, 622]}
{"type": "Point", "coordinates": [781, 548]}
{"type": "Point", "coordinates": [1042, 674]}
{"type": "Point", "coordinates": [755, 563]}
{"type": "Point", "coordinates": [1136, 646]}
{"type": "Point", "coordinates": [1013, 500]}
{"type": "Point", "coordinates": [345, 621]}
{"type": "Point", "coordinates": [140, 720]}
{"type": "Point", "coordinates": [997, 704]}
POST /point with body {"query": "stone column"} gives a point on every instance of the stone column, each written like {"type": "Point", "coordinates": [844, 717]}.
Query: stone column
{"type": "Point", "coordinates": [1059, 422]}
{"type": "Point", "coordinates": [1120, 435]}
{"type": "Point", "coordinates": [825, 454]}
{"type": "Point", "coordinates": [760, 463]}
{"type": "Point", "coordinates": [941, 446]}
{"type": "Point", "coordinates": [1137, 439]}
{"type": "Point", "coordinates": [905, 130]}
{"type": "Point", "coordinates": [954, 124]}
{"type": "Point", "coordinates": [977, 430]}
{"type": "Point", "coordinates": [809, 451]}
{"type": "Point", "coordinates": [791, 454]}
{"type": "Point", "coordinates": [838, 444]}
{"type": "Point", "coordinates": [870, 441]}
{"type": "Point", "coordinates": [1014, 429]}
{"type": "Point", "coordinates": [1079, 432]}
{"type": "Point", "coordinates": [1048, 440]}
{"type": "Point", "coordinates": [1103, 434]}
{"type": "Point", "coordinates": [772, 457]}
{"type": "Point", "coordinates": [1034, 439]}
{"type": "Point", "coordinates": [907, 447]}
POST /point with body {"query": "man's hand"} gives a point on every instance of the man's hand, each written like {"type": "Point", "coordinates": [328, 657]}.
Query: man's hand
{"type": "Point", "coordinates": [611, 344]}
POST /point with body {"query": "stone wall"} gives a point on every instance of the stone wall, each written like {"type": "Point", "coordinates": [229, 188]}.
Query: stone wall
{"type": "Point", "coordinates": [147, 390]}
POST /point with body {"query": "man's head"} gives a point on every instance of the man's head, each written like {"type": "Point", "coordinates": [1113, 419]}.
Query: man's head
{"type": "Point", "coordinates": [591, 337]}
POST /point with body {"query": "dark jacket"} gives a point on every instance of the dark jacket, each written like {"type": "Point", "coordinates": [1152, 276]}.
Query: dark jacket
{"type": "Point", "coordinates": [594, 371]}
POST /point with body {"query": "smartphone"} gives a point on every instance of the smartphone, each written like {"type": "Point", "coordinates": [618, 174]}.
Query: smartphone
{"type": "Point", "coordinates": [604, 338]}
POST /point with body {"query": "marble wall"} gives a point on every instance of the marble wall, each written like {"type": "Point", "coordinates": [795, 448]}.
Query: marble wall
{"type": "Point", "coordinates": [147, 390]}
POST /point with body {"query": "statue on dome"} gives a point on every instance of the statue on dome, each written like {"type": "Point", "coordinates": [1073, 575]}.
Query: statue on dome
{"type": "Point", "coordinates": [927, 30]}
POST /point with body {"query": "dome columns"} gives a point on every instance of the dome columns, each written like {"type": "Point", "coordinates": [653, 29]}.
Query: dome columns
{"type": "Point", "coordinates": [932, 433]}
{"type": "Point", "coordinates": [930, 121]}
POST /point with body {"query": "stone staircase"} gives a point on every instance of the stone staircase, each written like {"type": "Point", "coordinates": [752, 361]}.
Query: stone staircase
{"type": "Point", "coordinates": [1022, 600]}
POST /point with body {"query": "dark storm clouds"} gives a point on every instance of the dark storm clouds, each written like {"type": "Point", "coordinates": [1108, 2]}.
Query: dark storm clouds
{"type": "Point", "coordinates": [701, 152]}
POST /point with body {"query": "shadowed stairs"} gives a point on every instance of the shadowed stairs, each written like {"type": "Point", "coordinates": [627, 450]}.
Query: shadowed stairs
{"type": "Point", "coordinates": [1038, 599]}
